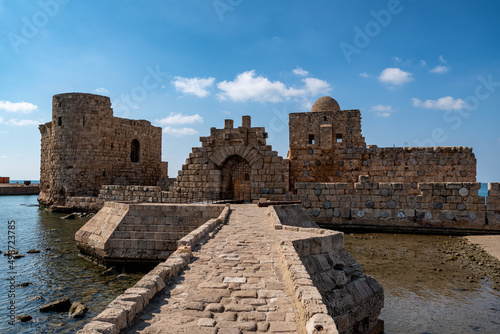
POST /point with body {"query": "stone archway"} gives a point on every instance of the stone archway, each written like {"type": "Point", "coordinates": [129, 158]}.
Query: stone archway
{"type": "Point", "coordinates": [236, 178]}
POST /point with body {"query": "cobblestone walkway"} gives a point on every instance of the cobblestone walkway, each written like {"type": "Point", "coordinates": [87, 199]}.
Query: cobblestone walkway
{"type": "Point", "coordinates": [234, 285]}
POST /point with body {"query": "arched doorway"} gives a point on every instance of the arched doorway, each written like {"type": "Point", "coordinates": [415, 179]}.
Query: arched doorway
{"type": "Point", "coordinates": [236, 178]}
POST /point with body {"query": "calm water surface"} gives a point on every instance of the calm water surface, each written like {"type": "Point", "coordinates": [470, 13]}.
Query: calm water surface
{"type": "Point", "coordinates": [56, 272]}
{"type": "Point", "coordinates": [425, 293]}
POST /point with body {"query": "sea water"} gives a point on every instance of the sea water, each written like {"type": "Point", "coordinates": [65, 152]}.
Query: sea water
{"type": "Point", "coordinates": [56, 272]}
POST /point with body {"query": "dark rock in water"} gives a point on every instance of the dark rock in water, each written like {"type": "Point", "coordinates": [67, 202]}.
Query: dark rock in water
{"type": "Point", "coordinates": [33, 251]}
{"type": "Point", "coordinates": [24, 318]}
{"type": "Point", "coordinates": [109, 272]}
{"type": "Point", "coordinates": [18, 256]}
{"type": "Point", "coordinates": [24, 284]}
{"type": "Point", "coordinates": [1, 252]}
{"type": "Point", "coordinates": [70, 216]}
{"type": "Point", "coordinates": [48, 249]}
{"type": "Point", "coordinates": [62, 305]}
{"type": "Point", "coordinates": [123, 277]}
{"type": "Point", "coordinates": [77, 310]}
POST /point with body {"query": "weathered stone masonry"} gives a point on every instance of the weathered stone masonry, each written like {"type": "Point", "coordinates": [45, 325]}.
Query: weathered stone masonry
{"type": "Point", "coordinates": [87, 159]}
{"type": "Point", "coordinates": [85, 147]}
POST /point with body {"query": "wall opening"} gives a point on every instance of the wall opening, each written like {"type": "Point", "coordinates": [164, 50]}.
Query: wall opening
{"type": "Point", "coordinates": [311, 139]}
{"type": "Point", "coordinates": [236, 178]}
{"type": "Point", "coordinates": [339, 137]}
{"type": "Point", "coordinates": [59, 121]}
{"type": "Point", "coordinates": [135, 151]}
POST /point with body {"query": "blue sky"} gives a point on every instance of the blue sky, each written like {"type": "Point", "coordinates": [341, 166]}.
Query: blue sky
{"type": "Point", "coordinates": [422, 72]}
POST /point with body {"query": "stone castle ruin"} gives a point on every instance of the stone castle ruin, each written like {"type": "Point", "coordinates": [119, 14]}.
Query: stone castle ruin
{"type": "Point", "coordinates": [85, 147]}
{"type": "Point", "coordinates": [90, 157]}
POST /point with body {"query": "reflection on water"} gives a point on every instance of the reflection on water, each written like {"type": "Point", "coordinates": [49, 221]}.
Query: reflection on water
{"type": "Point", "coordinates": [425, 293]}
{"type": "Point", "coordinates": [54, 273]}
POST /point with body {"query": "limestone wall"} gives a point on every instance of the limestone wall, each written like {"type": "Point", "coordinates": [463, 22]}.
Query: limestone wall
{"type": "Point", "coordinates": [122, 232]}
{"type": "Point", "coordinates": [236, 162]}
{"type": "Point", "coordinates": [326, 278]}
{"type": "Point", "coordinates": [493, 204]}
{"type": "Point", "coordinates": [84, 147]}
{"type": "Point", "coordinates": [431, 206]}
{"type": "Point", "coordinates": [410, 164]}
{"type": "Point", "coordinates": [326, 145]}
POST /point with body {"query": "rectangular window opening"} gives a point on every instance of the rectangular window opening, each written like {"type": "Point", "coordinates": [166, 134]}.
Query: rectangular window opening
{"type": "Point", "coordinates": [59, 121]}
{"type": "Point", "coordinates": [339, 138]}
{"type": "Point", "coordinates": [311, 139]}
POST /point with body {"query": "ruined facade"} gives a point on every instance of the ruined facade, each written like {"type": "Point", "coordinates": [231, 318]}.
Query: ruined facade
{"type": "Point", "coordinates": [85, 147]}
{"type": "Point", "coordinates": [88, 159]}
{"type": "Point", "coordinates": [326, 145]}
{"type": "Point", "coordinates": [233, 163]}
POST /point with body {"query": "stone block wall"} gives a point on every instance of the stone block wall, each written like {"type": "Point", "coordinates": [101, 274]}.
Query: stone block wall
{"type": "Point", "coordinates": [235, 161]}
{"type": "Point", "coordinates": [493, 204]}
{"type": "Point", "coordinates": [410, 164]}
{"type": "Point", "coordinates": [85, 147]}
{"type": "Point", "coordinates": [326, 145]}
{"type": "Point", "coordinates": [432, 206]}
{"type": "Point", "coordinates": [122, 232]}
{"type": "Point", "coordinates": [327, 280]}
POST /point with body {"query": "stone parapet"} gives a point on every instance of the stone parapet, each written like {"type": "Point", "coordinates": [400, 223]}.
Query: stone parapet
{"type": "Point", "coordinates": [122, 311]}
{"type": "Point", "coordinates": [336, 295]}
{"type": "Point", "coordinates": [122, 232]}
{"type": "Point", "coordinates": [451, 206]}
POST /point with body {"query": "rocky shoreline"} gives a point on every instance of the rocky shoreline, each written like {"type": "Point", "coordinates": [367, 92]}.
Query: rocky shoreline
{"type": "Point", "coordinates": [473, 258]}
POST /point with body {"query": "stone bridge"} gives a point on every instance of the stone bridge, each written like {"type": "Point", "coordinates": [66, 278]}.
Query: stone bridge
{"type": "Point", "coordinates": [251, 269]}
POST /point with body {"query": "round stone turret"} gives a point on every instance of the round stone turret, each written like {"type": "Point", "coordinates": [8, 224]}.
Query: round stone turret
{"type": "Point", "coordinates": [325, 103]}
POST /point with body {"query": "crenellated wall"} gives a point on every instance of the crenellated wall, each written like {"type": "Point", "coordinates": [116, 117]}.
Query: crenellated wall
{"type": "Point", "coordinates": [404, 206]}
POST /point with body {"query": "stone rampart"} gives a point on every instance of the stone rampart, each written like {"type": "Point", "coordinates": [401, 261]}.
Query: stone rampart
{"type": "Point", "coordinates": [455, 207]}
{"type": "Point", "coordinates": [327, 280]}
{"type": "Point", "coordinates": [122, 232]}
{"type": "Point", "coordinates": [409, 164]}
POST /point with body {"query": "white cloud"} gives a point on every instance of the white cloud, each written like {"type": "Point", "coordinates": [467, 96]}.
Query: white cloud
{"type": "Point", "coordinates": [383, 111]}
{"type": "Point", "coordinates": [194, 86]}
{"type": "Point", "coordinates": [439, 69]}
{"type": "Point", "coordinates": [23, 107]}
{"type": "Point", "coordinates": [395, 76]}
{"type": "Point", "coordinates": [441, 59]}
{"type": "Point", "coordinates": [364, 75]}
{"type": "Point", "coordinates": [382, 108]}
{"type": "Point", "coordinates": [101, 90]}
{"type": "Point", "coordinates": [423, 63]}
{"type": "Point", "coordinates": [23, 122]}
{"type": "Point", "coordinates": [300, 71]}
{"type": "Point", "coordinates": [178, 118]}
{"type": "Point", "coordinates": [314, 86]}
{"type": "Point", "coordinates": [3, 157]}
{"type": "Point", "coordinates": [443, 103]}
{"type": "Point", "coordinates": [249, 87]}
{"type": "Point", "coordinates": [179, 132]}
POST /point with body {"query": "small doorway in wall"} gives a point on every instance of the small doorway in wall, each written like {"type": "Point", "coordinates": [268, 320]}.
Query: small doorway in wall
{"type": "Point", "coordinates": [236, 179]}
